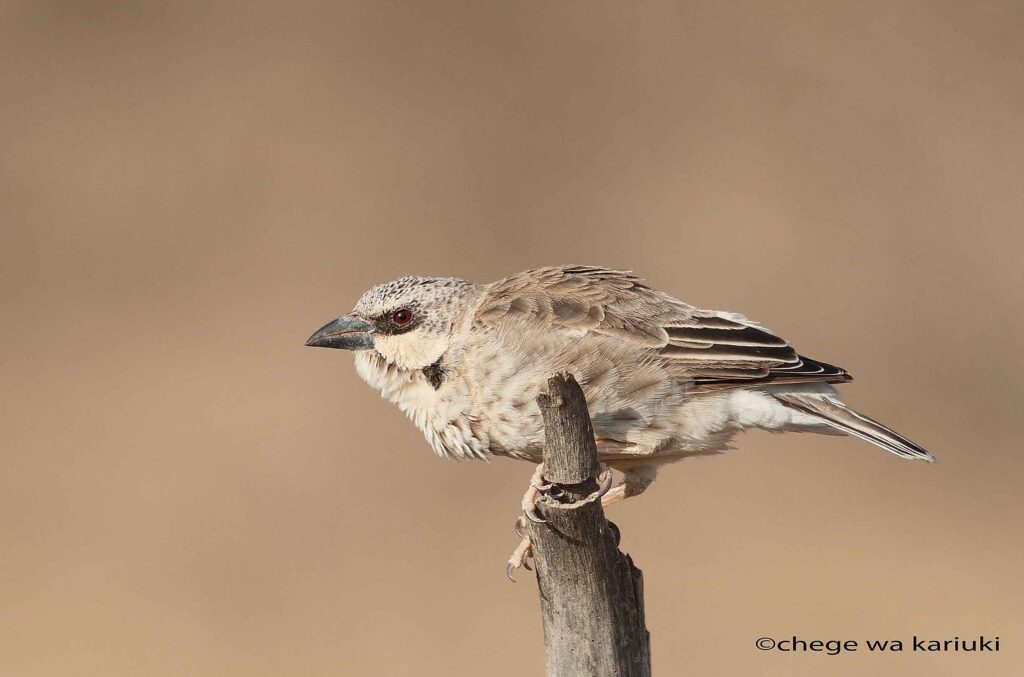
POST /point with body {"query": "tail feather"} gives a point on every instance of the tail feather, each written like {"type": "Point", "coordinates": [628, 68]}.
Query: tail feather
{"type": "Point", "coordinates": [836, 414]}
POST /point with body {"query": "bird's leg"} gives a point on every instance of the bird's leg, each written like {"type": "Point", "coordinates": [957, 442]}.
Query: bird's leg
{"type": "Point", "coordinates": [634, 482]}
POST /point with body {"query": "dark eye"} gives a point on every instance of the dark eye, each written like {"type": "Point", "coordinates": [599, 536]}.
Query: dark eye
{"type": "Point", "coordinates": [401, 317]}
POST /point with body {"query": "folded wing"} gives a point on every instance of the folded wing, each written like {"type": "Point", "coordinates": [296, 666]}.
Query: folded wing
{"type": "Point", "coordinates": [716, 350]}
{"type": "Point", "coordinates": [724, 350]}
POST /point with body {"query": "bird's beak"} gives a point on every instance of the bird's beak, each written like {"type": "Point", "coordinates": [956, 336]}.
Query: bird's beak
{"type": "Point", "coordinates": [347, 332]}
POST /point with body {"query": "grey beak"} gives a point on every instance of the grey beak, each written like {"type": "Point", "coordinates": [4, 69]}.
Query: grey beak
{"type": "Point", "coordinates": [348, 332]}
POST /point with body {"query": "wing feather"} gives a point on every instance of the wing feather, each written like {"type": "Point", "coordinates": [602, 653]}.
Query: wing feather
{"type": "Point", "coordinates": [715, 350]}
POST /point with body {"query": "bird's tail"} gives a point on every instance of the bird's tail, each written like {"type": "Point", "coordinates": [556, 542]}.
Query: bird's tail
{"type": "Point", "coordinates": [834, 413]}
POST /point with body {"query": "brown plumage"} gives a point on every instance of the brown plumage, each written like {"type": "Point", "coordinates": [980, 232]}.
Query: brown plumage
{"type": "Point", "coordinates": [663, 380]}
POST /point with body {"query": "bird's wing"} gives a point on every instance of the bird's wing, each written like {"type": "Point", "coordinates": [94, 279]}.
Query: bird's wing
{"type": "Point", "coordinates": [715, 350]}
{"type": "Point", "coordinates": [724, 350]}
{"type": "Point", "coordinates": [581, 299]}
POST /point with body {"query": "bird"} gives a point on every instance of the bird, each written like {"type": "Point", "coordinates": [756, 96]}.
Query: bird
{"type": "Point", "coordinates": [663, 380]}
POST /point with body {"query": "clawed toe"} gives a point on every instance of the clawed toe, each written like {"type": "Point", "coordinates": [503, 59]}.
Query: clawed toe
{"type": "Point", "coordinates": [520, 527]}
{"type": "Point", "coordinates": [533, 492]}
{"type": "Point", "coordinates": [510, 569]}
{"type": "Point", "coordinates": [519, 558]}
{"type": "Point", "coordinates": [532, 515]}
{"type": "Point", "coordinates": [606, 483]}
{"type": "Point", "coordinates": [541, 486]}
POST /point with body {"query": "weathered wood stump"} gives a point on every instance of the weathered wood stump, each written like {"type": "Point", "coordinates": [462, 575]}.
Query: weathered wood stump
{"type": "Point", "coordinates": [591, 594]}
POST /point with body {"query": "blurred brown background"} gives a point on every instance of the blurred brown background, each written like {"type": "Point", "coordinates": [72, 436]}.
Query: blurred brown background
{"type": "Point", "coordinates": [188, 191]}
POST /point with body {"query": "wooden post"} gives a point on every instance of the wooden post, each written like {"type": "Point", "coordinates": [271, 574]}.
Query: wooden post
{"type": "Point", "coordinates": [591, 595]}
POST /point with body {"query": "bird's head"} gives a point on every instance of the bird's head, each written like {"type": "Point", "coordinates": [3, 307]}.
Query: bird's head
{"type": "Point", "coordinates": [409, 322]}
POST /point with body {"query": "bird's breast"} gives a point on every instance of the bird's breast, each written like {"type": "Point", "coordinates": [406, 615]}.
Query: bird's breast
{"type": "Point", "coordinates": [439, 407]}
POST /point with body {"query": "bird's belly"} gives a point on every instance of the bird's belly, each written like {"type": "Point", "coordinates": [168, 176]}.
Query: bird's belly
{"type": "Point", "coordinates": [629, 397]}
{"type": "Point", "coordinates": [637, 409]}
{"type": "Point", "coordinates": [670, 424]}
{"type": "Point", "coordinates": [514, 426]}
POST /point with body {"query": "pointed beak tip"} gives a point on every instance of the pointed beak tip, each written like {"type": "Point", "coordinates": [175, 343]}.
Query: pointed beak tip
{"type": "Point", "coordinates": [348, 333]}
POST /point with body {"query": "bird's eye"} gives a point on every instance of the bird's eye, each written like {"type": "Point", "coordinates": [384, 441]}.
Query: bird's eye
{"type": "Point", "coordinates": [401, 317]}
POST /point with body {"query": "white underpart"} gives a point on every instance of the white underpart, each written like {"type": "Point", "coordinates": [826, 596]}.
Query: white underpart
{"type": "Point", "coordinates": [758, 409]}
{"type": "Point", "coordinates": [438, 413]}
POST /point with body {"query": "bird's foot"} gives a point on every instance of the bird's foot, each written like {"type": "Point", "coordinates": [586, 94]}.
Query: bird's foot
{"type": "Point", "coordinates": [538, 488]}
{"type": "Point", "coordinates": [541, 487]}
{"type": "Point", "coordinates": [521, 555]}
{"type": "Point", "coordinates": [523, 552]}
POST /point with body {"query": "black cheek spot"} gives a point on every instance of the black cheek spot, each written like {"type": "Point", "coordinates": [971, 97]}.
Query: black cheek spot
{"type": "Point", "coordinates": [435, 374]}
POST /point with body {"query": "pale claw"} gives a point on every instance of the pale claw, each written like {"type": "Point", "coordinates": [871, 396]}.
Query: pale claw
{"type": "Point", "coordinates": [511, 567]}
{"type": "Point", "coordinates": [531, 514]}
{"type": "Point", "coordinates": [541, 485]}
